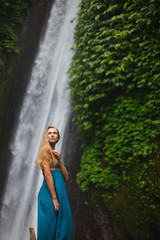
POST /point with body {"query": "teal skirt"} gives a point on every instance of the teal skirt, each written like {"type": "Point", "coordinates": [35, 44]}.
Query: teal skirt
{"type": "Point", "coordinates": [52, 225]}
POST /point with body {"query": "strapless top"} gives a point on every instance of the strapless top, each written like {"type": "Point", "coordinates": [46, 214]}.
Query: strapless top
{"type": "Point", "coordinates": [57, 167]}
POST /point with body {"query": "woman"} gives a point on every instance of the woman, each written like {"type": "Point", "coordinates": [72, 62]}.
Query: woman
{"type": "Point", "coordinates": [54, 213]}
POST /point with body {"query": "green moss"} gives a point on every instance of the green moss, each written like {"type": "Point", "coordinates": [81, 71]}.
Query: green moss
{"type": "Point", "coordinates": [5, 86]}
{"type": "Point", "coordinates": [137, 202]}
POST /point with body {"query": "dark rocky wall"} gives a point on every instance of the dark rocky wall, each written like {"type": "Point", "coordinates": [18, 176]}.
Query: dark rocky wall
{"type": "Point", "coordinates": [29, 36]}
{"type": "Point", "coordinates": [87, 220]}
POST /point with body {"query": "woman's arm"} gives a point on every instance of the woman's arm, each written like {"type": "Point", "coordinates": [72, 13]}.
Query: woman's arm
{"type": "Point", "coordinates": [63, 169]}
{"type": "Point", "coordinates": [50, 184]}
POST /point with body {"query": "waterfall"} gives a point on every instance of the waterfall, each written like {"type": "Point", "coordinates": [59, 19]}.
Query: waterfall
{"type": "Point", "coordinates": [46, 102]}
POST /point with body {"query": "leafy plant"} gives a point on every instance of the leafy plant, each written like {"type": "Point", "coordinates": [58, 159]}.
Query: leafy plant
{"type": "Point", "coordinates": [115, 89]}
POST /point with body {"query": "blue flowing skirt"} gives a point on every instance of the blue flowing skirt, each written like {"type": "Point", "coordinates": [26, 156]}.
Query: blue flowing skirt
{"type": "Point", "coordinates": [52, 225]}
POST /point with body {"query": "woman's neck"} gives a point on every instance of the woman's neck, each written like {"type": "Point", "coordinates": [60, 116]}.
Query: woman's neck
{"type": "Point", "coordinates": [52, 146]}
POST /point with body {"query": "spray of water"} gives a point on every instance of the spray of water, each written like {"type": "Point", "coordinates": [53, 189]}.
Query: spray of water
{"type": "Point", "coordinates": [46, 102]}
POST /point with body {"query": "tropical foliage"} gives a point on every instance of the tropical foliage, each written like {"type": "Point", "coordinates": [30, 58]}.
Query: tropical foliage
{"type": "Point", "coordinates": [11, 17]}
{"type": "Point", "coordinates": [115, 89]}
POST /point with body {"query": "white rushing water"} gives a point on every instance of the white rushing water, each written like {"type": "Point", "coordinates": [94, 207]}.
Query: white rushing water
{"type": "Point", "coordinates": [46, 102]}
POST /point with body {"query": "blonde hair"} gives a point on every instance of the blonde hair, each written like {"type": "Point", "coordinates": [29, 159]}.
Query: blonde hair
{"type": "Point", "coordinates": [45, 151]}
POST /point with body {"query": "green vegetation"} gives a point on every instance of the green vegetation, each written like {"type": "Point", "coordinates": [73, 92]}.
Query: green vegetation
{"type": "Point", "coordinates": [115, 89]}
{"type": "Point", "coordinates": [11, 16]}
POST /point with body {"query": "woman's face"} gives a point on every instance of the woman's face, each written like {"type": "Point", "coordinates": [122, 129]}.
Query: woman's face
{"type": "Point", "coordinates": [53, 135]}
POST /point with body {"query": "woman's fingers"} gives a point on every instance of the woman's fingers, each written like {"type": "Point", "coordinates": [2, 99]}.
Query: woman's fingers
{"type": "Point", "coordinates": [56, 153]}
{"type": "Point", "coordinates": [56, 205]}
{"type": "Point", "coordinates": [56, 209]}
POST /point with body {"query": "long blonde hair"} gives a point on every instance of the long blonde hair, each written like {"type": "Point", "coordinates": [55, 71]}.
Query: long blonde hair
{"type": "Point", "coordinates": [45, 151]}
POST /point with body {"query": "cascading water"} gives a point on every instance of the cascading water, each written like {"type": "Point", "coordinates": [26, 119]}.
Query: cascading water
{"type": "Point", "coordinates": [46, 102]}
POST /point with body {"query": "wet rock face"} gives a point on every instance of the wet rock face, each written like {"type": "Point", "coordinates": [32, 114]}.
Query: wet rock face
{"type": "Point", "coordinates": [87, 220]}
{"type": "Point", "coordinates": [29, 36]}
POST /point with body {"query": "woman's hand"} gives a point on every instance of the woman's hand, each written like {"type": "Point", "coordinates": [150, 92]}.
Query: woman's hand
{"type": "Point", "coordinates": [57, 155]}
{"type": "Point", "coordinates": [56, 204]}
{"type": "Point", "coordinates": [63, 169]}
